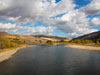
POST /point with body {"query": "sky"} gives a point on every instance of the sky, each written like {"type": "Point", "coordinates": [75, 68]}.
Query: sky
{"type": "Point", "coordinates": [67, 18]}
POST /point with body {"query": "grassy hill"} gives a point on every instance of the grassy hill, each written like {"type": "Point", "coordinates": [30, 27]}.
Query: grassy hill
{"type": "Point", "coordinates": [14, 40]}
{"type": "Point", "coordinates": [91, 36]}
{"type": "Point", "coordinates": [88, 39]}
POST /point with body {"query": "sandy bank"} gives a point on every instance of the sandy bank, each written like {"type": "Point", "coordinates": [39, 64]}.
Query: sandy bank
{"type": "Point", "coordinates": [7, 54]}
{"type": "Point", "coordinates": [83, 47]}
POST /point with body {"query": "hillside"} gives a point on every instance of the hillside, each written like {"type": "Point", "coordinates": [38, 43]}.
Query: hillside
{"type": "Point", "coordinates": [12, 40]}
{"type": "Point", "coordinates": [52, 37]}
{"type": "Point", "coordinates": [88, 39]}
{"type": "Point", "coordinates": [3, 33]}
{"type": "Point", "coordinates": [90, 36]}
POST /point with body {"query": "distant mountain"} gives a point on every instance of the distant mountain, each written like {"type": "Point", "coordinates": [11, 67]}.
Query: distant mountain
{"type": "Point", "coordinates": [53, 37]}
{"type": "Point", "coordinates": [33, 38]}
{"type": "Point", "coordinates": [92, 39]}
{"type": "Point", "coordinates": [91, 36]}
{"type": "Point", "coordinates": [13, 40]}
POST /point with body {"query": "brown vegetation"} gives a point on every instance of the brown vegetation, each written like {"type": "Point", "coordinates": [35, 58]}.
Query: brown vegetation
{"type": "Point", "coordinates": [14, 40]}
{"type": "Point", "coordinates": [89, 39]}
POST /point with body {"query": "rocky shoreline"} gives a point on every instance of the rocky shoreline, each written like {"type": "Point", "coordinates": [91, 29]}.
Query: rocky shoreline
{"type": "Point", "coordinates": [83, 47]}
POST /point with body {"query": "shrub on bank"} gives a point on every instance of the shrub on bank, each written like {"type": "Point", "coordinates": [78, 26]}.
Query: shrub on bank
{"type": "Point", "coordinates": [82, 41]}
{"type": "Point", "coordinates": [10, 43]}
{"type": "Point", "coordinates": [4, 43]}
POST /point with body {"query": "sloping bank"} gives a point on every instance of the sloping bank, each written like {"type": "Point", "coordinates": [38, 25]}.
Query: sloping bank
{"type": "Point", "coordinates": [83, 47]}
{"type": "Point", "coordinates": [8, 54]}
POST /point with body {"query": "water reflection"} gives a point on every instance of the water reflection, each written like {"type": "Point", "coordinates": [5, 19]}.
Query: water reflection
{"type": "Point", "coordinates": [52, 60]}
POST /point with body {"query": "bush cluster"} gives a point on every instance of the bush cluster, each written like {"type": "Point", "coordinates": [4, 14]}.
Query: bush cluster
{"type": "Point", "coordinates": [9, 43]}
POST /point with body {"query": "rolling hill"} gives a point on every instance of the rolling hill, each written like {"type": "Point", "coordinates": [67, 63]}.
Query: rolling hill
{"type": "Point", "coordinates": [91, 36]}
{"type": "Point", "coordinates": [88, 39]}
{"type": "Point", "coordinates": [11, 40]}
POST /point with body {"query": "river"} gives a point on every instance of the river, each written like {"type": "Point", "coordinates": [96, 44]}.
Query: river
{"type": "Point", "coordinates": [52, 60]}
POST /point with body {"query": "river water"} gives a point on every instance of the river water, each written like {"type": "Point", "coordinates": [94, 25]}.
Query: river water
{"type": "Point", "coordinates": [52, 60]}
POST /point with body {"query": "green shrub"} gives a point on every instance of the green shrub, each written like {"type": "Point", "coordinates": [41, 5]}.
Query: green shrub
{"type": "Point", "coordinates": [82, 41]}
{"type": "Point", "coordinates": [50, 42]}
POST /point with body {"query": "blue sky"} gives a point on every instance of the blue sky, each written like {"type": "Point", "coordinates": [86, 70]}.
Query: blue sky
{"type": "Point", "coordinates": [58, 0]}
{"type": "Point", "coordinates": [59, 30]}
{"type": "Point", "coordinates": [79, 3]}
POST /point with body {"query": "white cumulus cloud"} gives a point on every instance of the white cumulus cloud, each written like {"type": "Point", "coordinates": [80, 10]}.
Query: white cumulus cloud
{"type": "Point", "coordinates": [73, 22]}
{"type": "Point", "coordinates": [95, 21]}
{"type": "Point", "coordinates": [92, 8]}
{"type": "Point", "coordinates": [8, 27]}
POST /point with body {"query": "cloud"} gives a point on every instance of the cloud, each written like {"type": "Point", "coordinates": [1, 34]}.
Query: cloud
{"type": "Point", "coordinates": [73, 22]}
{"type": "Point", "coordinates": [92, 8]}
{"type": "Point", "coordinates": [35, 9]}
{"type": "Point", "coordinates": [8, 27]}
{"type": "Point", "coordinates": [38, 30]}
{"type": "Point", "coordinates": [4, 4]}
{"type": "Point", "coordinates": [11, 18]}
{"type": "Point", "coordinates": [95, 21]}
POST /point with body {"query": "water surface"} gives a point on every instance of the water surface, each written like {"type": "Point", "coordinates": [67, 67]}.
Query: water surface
{"type": "Point", "coordinates": [52, 60]}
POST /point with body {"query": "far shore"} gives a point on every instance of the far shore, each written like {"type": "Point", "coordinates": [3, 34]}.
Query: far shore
{"type": "Point", "coordinates": [83, 47]}
{"type": "Point", "coordinates": [8, 53]}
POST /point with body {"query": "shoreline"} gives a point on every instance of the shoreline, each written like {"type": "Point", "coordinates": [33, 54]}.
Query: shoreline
{"type": "Point", "coordinates": [9, 53]}
{"type": "Point", "coordinates": [83, 47]}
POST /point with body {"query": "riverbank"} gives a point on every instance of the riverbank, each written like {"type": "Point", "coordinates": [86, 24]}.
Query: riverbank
{"type": "Point", "coordinates": [83, 47]}
{"type": "Point", "coordinates": [7, 53]}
